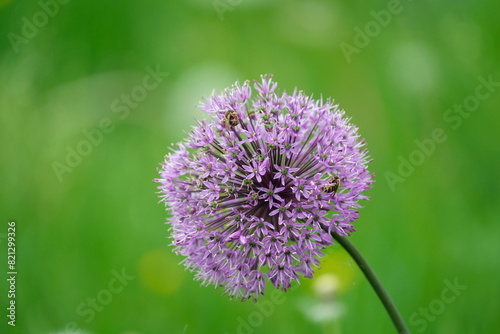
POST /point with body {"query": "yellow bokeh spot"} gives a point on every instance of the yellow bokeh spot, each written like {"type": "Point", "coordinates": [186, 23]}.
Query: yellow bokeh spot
{"type": "Point", "coordinates": [160, 271]}
{"type": "Point", "coordinates": [4, 3]}
{"type": "Point", "coordinates": [340, 264]}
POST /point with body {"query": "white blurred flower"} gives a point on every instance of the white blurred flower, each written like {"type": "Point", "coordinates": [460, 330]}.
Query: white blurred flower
{"type": "Point", "coordinates": [325, 307]}
{"type": "Point", "coordinates": [325, 286]}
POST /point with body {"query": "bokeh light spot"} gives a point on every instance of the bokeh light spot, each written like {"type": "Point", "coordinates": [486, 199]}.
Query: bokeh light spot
{"type": "Point", "coordinates": [4, 3]}
{"type": "Point", "coordinates": [310, 24]}
{"type": "Point", "coordinates": [199, 81]}
{"type": "Point", "coordinates": [339, 265]}
{"type": "Point", "coordinates": [413, 67]}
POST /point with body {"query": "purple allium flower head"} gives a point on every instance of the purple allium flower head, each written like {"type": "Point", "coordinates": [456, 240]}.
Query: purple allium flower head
{"type": "Point", "coordinates": [256, 192]}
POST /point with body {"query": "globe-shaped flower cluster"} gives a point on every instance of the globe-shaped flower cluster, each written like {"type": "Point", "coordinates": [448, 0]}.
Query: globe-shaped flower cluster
{"type": "Point", "coordinates": [256, 192]}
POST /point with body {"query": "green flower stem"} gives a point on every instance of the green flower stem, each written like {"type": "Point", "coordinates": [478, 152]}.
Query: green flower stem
{"type": "Point", "coordinates": [375, 282]}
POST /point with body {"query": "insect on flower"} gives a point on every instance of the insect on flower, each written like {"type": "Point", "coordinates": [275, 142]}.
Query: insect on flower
{"type": "Point", "coordinates": [333, 183]}
{"type": "Point", "coordinates": [230, 119]}
{"type": "Point", "coordinates": [248, 205]}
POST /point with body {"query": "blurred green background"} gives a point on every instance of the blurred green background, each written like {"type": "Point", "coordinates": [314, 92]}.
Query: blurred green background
{"type": "Point", "coordinates": [66, 70]}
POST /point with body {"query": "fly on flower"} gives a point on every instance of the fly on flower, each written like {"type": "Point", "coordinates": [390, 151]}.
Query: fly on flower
{"type": "Point", "coordinates": [253, 193]}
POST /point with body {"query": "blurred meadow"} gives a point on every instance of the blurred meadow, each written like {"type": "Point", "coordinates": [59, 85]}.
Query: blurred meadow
{"type": "Point", "coordinates": [92, 94]}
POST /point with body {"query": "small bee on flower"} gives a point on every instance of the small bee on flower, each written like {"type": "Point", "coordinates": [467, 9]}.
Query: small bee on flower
{"type": "Point", "coordinates": [332, 184]}
{"type": "Point", "coordinates": [230, 119]}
